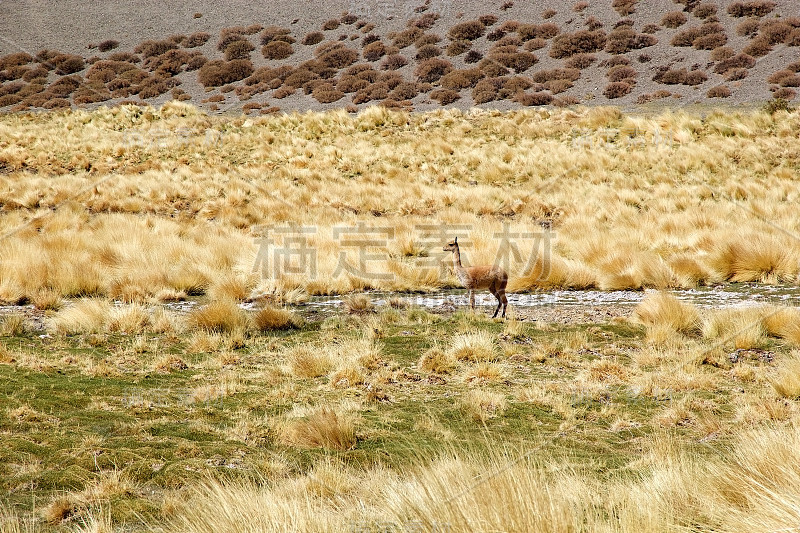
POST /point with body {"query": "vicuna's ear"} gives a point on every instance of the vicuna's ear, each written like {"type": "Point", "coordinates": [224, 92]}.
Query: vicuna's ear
{"type": "Point", "coordinates": [455, 241]}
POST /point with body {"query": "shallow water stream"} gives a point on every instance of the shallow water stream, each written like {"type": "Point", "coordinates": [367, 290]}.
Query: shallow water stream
{"type": "Point", "coordinates": [731, 295]}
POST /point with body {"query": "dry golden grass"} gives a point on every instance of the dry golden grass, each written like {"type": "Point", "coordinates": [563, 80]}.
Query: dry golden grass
{"type": "Point", "coordinates": [271, 318]}
{"type": "Point", "coordinates": [665, 310]}
{"type": "Point", "coordinates": [323, 428]}
{"type": "Point", "coordinates": [308, 361]}
{"type": "Point", "coordinates": [480, 346]}
{"type": "Point", "coordinates": [787, 381]}
{"type": "Point", "coordinates": [185, 222]}
{"type": "Point", "coordinates": [223, 316]}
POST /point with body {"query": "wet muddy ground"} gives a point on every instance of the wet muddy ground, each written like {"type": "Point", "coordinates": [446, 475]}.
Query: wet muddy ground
{"type": "Point", "coordinates": [557, 307]}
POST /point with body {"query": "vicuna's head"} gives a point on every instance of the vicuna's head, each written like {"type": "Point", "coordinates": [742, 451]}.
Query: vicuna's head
{"type": "Point", "coordinates": [451, 246]}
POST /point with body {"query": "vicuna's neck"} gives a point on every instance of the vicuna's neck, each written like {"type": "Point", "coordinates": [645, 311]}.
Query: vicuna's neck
{"type": "Point", "coordinates": [457, 257]}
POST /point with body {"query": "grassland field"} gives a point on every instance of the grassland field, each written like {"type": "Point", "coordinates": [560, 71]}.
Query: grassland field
{"type": "Point", "coordinates": [161, 370]}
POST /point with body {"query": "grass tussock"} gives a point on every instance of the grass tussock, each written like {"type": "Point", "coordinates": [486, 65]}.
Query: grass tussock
{"type": "Point", "coordinates": [272, 318]}
{"type": "Point", "coordinates": [223, 316]}
{"type": "Point", "coordinates": [787, 380]}
{"type": "Point", "coordinates": [665, 310]}
{"type": "Point", "coordinates": [85, 316]}
{"type": "Point", "coordinates": [324, 428]}
{"type": "Point", "coordinates": [480, 346]}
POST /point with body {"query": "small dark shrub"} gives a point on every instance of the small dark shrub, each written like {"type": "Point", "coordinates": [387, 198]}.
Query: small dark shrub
{"type": "Point", "coordinates": [351, 84]}
{"type": "Point", "coordinates": [391, 79]}
{"type": "Point", "coordinates": [64, 86]}
{"type": "Point", "coordinates": [488, 20]}
{"type": "Point", "coordinates": [348, 18]}
{"type": "Point", "coordinates": [277, 50]}
{"type": "Point", "coordinates": [68, 64]}
{"type": "Point", "coordinates": [757, 8]}
{"type": "Point", "coordinates": [432, 69]}
{"type": "Point", "coordinates": [374, 51]}
{"type": "Point", "coordinates": [283, 92]}
{"type": "Point", "coordinates": [368, 39]}
{"type": "Point", "coordinates": [775, 31]}
{"type": "Point", "coordinates": [495, 35]}
{"type": "Point", "coordinates": [710, 41]}
{"type": "Point", "coordinates": [485, 91]}
{"type": "Point", "coordinates": [56, 103]}
{"type": "Point", "coordinates": [456, 48]}
{"type": "Point", "coordinates": [794, 66]}
{"type": "Point", "coordinates": [784, 93]}
{"type": "Point", "coordinates": [509, 26]}
{"type": "Point", "coordinates": [154, 48]}
{"type": "Point", "coordinates": [721, 53]}
{"type": "Point", "coordinates": [473, 56]}
{"type": "Point", "coordinates": [492, 68]}
{"type": "Point", "coordinates": [509, 40]}
{"type": "Point", "coordinates": [543, 76]}
{"type": "Point", "coordinates": [680, 77]}
{"type": "Point", "coordinates": [445, 96]}
{"type": "Point", "coordinates": [580, 42]}
{"type": "Point", "coordinates": [197, 39]}
{"type": "Point", "coordinates": [466, 31]}
{"type": "Point", "coordinates": [533, 99]}
{"type": "Point", "coordinates": [758, 47]}
{"type": "Point", "coordinates": [325, 93]}
{"type": "Point", "coordinates": [620, 73]}
{"type": "Point", "coordinates": [461, 79]}
{"type": "Point", "coordinates": [549, 13]}
{"type": "Point", "coordinates": [330, 25]}
{"type": "Point", "coordinates": [580, 61]}
{"type": "Point", "coordinates": [624, 23]}
{"type": "Point", "coordinates": [624, 7]}
{"type": "Point", "coordinates": [735, 74]}
{"type": "Point", "coordinates": [614, 61]}
{"type": "Point", "coordinates": [276, 33]}
{"type": "Point", "coordinates": [720, 91]}
{"type": "Point", "coordinates": [558, 86]}
{"type": "Point", "coordinates": [339, 58]}
{"type": "Point", "coordinates": [748, 27]}
{"type": "Point", "coordinates": [580, 6]}
{"type": "Point", "coordinates": [239, 50]}
{"type": "Point", "coordinates": [107, 45]}
{"type": "Point", "coordinates": [16, 60]}
{"type": "Point", "coordinates": [404, 91]}
{"type": "Point", "coordinates": [216, 73]}
{"type": "Point", "coordinates": [622, 40]}
{"type": "Point", "coordinates": [196, 62]}
{"type": "Point", "coordinates": [651, 28]}
{"type": "Point", "coordinates": [794, 38]}
{"type": "Point", "coordinates": [548, 30]}
{"type": "Point", "coordinates": [703, 11]}
{"type": "Point", "coordinates": [617, 89]}
{"type": "Point", "coordinates": [428, 51]}
{"type": "Point", "coordinates": [34, 74]}
{"type": "Point", "coordinates": [394, 62]}
{"type": "Point", "coordinates": [785, 78]}
{"type": "Point", "coordinates": [427, 38]}
{"type": "Point", "coordinates": [593, 23]}
{"type": "Point", "coordinates": [426, 21]}
{"type": "Point", "coordinates": [535, 44]}
{"type": "Point", "coordinates": [643, 58]}
{"type": "Point", "coordinates": [299, 77]}
{"type": "Point", "coordinates": [127, 57]}
{"type": "Point", "coordinates": [686, 37]}
{"type": "Point", "coordinates": [406, 37]}
{"type": "Point", "coordinates": [315, 37]}
{"type": "Point", "coordinates": [150, 88]}
{"type": "Point", "coordinates": [673, 19]}
{"type": "Point", "coordinates": [743, 61]}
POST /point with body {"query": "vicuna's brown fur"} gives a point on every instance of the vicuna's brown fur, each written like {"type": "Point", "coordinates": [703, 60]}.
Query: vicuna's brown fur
{"type": "Point", "coordinates": [493, 278]}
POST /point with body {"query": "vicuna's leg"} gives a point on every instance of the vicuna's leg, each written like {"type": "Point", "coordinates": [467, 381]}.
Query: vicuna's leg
{"type": "Point", "coordinates": [501, 295]}
{"type": "Point", "coordinates": [471, 299]}
{"type": "Point", "coordinates": [494, 291]}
